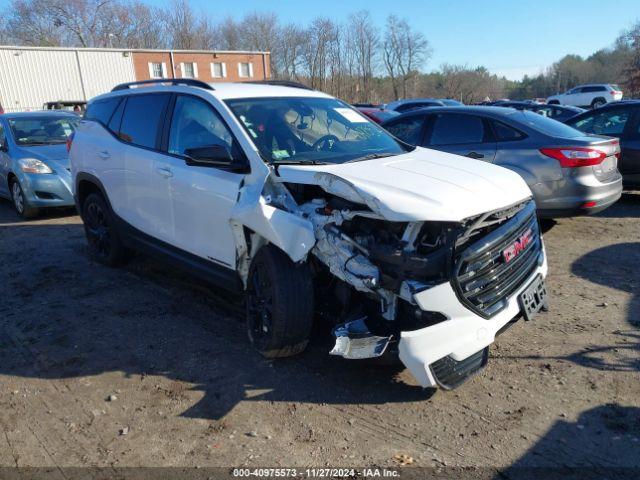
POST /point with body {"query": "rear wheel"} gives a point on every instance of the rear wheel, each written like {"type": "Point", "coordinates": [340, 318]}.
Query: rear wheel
{"type": "Point", "coordinates": [105, 244]}
{"type": "Point", "coordinates": [598, 102]}
{"type": "Point", "coordinates": [279, 304]}
{"type": "Point", "coordinates": [20, 202]}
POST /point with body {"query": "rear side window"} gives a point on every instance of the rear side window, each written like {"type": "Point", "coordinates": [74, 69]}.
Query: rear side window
{"type": "Point", "coordinates": [142, 117]}
{"type": "Point", "coordinates": [607, 122]}
{"type": "Point", "coordinates": [457, 129]}
{"type": "Point", "coordinates": [597, 88]}
{"type": "Point", "coordinates": [408, 129]}
{"type": "Point", "coordinates": [505, 133]}
{"type": "Point", "coordinates": [101, 110]}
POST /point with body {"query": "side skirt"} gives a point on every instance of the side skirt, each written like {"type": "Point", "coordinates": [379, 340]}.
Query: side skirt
{"type": "Point", "coordinates": [207, 270]}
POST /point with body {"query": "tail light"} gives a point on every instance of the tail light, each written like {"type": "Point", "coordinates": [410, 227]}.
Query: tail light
{"type": "Point", "coordinates": [570, 157]}
{"type": "Point", "coordinates": [70, 141]}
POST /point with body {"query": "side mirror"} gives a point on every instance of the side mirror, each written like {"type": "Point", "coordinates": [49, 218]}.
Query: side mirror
{"type": "Point", "coordinates": [216, 156]}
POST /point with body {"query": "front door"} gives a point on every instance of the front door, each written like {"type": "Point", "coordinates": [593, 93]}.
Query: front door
{"type": "Point", "coordinates": [202, 197]}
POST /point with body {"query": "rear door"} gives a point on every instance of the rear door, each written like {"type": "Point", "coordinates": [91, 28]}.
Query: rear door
{"type": "Point", "coordinates": [463, 134]}
{"type": "Point", "coordinates": [144, 206]}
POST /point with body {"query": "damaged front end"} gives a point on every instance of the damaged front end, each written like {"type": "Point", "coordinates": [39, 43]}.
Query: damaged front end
{"type": "Point", "coordinates": [393, 285]}
{"type": "Point", "coordinates": [370, 268]}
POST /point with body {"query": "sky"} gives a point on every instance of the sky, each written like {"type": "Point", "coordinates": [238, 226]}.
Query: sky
{"type": "Point", "coordinates": [510, 38]}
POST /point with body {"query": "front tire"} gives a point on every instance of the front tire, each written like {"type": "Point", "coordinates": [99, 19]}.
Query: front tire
{"type": "Point", "coordinates": [20, 202]}
{"type": "Point", "coordinates": [105, 244]}
{"type": "Point", "coordinates": [280, 304]}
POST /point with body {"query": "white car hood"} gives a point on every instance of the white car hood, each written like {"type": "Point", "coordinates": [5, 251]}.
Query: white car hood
{"type": "Point", "coordinates": [422, 185]}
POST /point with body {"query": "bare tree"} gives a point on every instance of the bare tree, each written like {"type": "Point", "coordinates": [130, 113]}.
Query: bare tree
{"type": "Point", "coordinates": [181, 25]}
{"type": "Point", "coordinates": [288, 54]}
{"type": "Point", "coordinates": [227, 35]}
{"type": "Point", "coordinates": [365, 40]}
{"type": "Point", "coordinates": [320, 37]}
{"type": "Point", "coordinates": [404, 52]}
{"type": "Point", "coordinates": [133, 26]}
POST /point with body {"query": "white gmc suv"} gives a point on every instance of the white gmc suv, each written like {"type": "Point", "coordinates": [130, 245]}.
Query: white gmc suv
{"type": "Point", "coordinates": [588, 96]}
{"type": "Point", "coordinates": [295, 199]}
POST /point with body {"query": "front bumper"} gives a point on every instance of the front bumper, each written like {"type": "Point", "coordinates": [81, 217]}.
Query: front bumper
{"type": "Point", "coordinates": [464, 333]}
{"type": "Point", "coordinates": [47, 190]}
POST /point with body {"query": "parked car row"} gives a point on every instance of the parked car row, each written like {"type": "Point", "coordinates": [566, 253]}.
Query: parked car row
{"type": "Point", "coordinates": [569, 172]}
{"type": "Point", "coordinates": [301, 203]}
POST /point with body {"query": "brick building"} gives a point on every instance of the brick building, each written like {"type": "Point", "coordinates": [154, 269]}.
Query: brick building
{"type": "Point", "coordinates": [208, 66]}
{"type": "Point", "coordinates": [31, 76]}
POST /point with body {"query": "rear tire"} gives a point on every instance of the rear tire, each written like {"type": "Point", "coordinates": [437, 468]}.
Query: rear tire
{"type": "Point", "coordinates": [280, 304]}
{"type": "Point", "coordinates": [598, 102]}
{"type": "Point", "coordinates": [20, 202]}
{"type": "Point", "coordinates": [105, 244]}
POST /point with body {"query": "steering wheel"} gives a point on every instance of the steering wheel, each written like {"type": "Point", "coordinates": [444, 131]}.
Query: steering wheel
{"type": "Point", "coordinates": [325, 143]}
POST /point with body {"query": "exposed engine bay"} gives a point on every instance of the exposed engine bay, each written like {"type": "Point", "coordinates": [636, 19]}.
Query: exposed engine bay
{"type": "Point", "coordinates": [359, 255]}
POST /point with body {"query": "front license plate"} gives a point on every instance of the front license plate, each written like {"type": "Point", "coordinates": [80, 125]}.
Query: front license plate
{"type": "Point", "coordinates": [534, 298]}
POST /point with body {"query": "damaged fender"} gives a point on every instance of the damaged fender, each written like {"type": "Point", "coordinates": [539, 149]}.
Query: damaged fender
{"type": "Point", "coordinates": [289, 232]}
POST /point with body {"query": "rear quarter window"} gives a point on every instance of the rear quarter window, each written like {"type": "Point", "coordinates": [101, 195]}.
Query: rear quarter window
{"type": "Point", "coordinates": [101, 110]}
{"type": "Point", "coordinates": [505, 133]}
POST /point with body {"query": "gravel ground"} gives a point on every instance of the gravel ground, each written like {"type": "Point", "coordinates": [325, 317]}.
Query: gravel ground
{"type": "Point", "coordinates": [144, 366]}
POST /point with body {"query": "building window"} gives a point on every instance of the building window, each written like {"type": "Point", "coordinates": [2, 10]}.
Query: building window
{"type": "Point", "coordinates": [218, 70]}
{"type": "Point", "coordinates": [189, 70]}
{"type": "Point", "coordinates": [157, 70]}
{"type": "Point", "coordinates": [245, 70]}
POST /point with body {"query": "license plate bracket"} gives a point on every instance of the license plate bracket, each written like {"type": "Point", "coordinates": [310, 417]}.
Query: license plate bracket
{"type": "Point", "coordinates": [533, 298]}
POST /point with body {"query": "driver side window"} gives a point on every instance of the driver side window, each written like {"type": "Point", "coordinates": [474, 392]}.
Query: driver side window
{"type": "Point", "coordinates": [195, 124]}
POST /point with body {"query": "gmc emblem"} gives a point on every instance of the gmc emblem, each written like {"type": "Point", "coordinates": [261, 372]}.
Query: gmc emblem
{"type": "Point", "coordinates": [513, 250]}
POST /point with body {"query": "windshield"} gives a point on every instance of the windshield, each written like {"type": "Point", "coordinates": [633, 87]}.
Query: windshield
{"type": "Point", "coordinates": [41, 130]}
{"type": "Point", "coordinates": [311, 130]}
{"type": "Point", "coordinates": [548, 126]}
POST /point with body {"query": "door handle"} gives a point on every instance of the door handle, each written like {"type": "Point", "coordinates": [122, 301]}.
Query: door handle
{"type": "Point", "coordinates": [475, 155]}
{"type": "Point", "coordinates": [165, 172]}
{"type": "Point", "coordinates": [104, 155]}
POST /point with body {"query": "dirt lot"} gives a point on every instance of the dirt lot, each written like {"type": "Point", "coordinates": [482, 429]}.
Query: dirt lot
{"type": "Point", "coordinates": [144, 366]}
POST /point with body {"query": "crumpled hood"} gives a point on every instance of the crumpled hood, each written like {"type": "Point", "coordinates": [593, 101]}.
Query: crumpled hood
{"type": "Point", "coordinates": [56, 156]}
{"type": "Point", "coordinates": [420, 185]}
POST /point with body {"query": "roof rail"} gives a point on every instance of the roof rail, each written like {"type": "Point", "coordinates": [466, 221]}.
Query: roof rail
{"type": "Point", "coordinates": [280, 83]}
{"type": "Point", "coordinates": [173, 81]}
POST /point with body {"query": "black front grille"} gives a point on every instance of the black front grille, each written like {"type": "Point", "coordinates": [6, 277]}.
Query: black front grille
{"type": "Point", "coordinates": [483, 278]}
